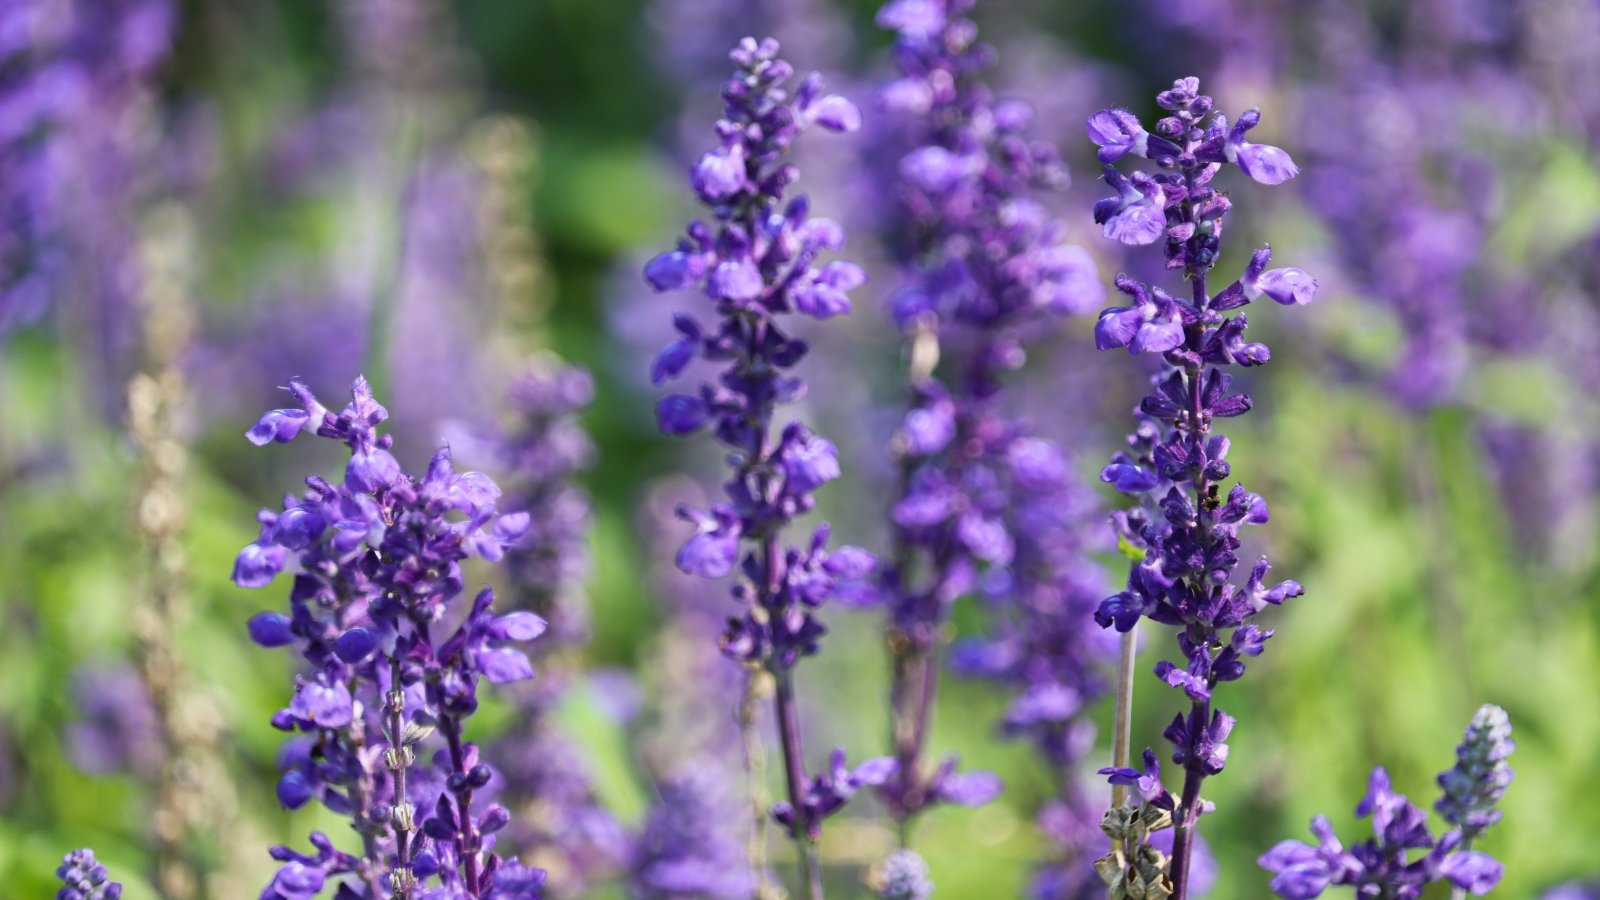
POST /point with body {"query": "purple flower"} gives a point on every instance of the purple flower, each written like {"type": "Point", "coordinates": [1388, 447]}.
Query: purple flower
{"type": "Point", "coordinates": [1183, 542]}
{"type": "Point", "coordinates": [1134, 216]}
{"type": "Point", "coordinates": [1481, 774]}
{"type": "Point", "coordinates": [758, 261]}
{"type": "Point", "coordinates": [983, 505]}
{"type": "Point", "coordinates": [1385, 865]}
{"type": "Point", "coordinates": [84, 878]}
{"type": "Point", "coordinates": [1264, 163]}
{"type": "Point", "coordinates": [379, 567]}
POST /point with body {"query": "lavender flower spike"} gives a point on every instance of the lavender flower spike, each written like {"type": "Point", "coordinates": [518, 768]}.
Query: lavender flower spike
{"type": "Point", "coordinates": [1183, 536]}
{"type": "Point", "coordinates": [84, 878]}
{"type": "Point", "coordinates": [757, 261]}
{"type": "Point", "coordinates": [1382, 866]}
{"type": "Point", "coordinates": [385, 683]}
{"type": "Point", "coordinates": [1481, 774]}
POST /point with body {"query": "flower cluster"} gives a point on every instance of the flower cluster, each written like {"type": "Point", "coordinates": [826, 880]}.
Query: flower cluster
{"type": "Point", "coordinates": [757, 263]}
{"type": "Point", "coordinates": [379, 567]}
{"type": "Point", "coordinates": [538, 455]}
{"type": "Point", "coordinates": [1184, 535]}
{"type": "Point", "coordinates": [84, 878]}
{"type": "Point", "coordinates": [696, 835]}
{"type": "Point", "coordinates": [1473, 788]}
{"type": "Point", "coordinates": [1383, 865]}
{"type": "Point", "coordinates": [902, 875]}
{"type": "Point", "coordinates": [72, 76]}
{"type": "Point", "coordinates": [986, 269]}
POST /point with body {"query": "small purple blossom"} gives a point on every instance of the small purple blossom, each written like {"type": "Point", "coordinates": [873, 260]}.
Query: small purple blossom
{"type": "Point", "coordinates": [1475, 786]}
{"type": "Point", "coordinates": [84, 878]}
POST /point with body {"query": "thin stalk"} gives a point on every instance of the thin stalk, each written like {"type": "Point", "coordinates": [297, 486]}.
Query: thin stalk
{"type": "Point", "coordinates": [804, 830]}
{"type": "Point", "coordinates": [755, 773]}
{"type": "Point", "coordinates": [1122, 711]}
{"type": "Point", "coordinates": [1188, 812]}
{"type": "Point", "coordinates": [398, 758]}
{"type": "Point", "coordinates": [468, 842]}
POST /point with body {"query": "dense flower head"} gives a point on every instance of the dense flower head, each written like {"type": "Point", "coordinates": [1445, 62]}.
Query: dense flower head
{"type": "Point", "coordinates": [986, 269]}
{"type": "Point", "coordinates": [84, 878]}
{"type": "Point", "coordinates": [1182, 539]}
{"type": "Point", "coordinates": [756, 262]}
{"type": "Point", "coordinates": [1185, 533]}
{"type": "Point", "coordinates": [690, 844]}
{"type": "Point", "coordinates": [1474, 787]}
{"type": "Point", "coordinates": [378, 558]}
{"type": "Point", "coordinates": [984, 249]}
{"type": "Point", "coordinates": [71, 78]}
{"type": "Point", "coordinates": [902, 875]}
{"type": "Point", "coordinates": [1398, 861]}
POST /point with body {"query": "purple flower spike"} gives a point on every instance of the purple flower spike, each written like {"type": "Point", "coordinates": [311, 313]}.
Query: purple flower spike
{"type": "Point", "coordinates": [1183, 542]}
{"type": "Point", "coordinates": [757, 264]}
{"type": "Point", "coordinates": [84, 878]}
{"type": "Point", "coordinates": [985, 507]}
{"type": "Point", "coordinates": [379, 560]}
{"type": "Point", "coordinates": [1385, 865]}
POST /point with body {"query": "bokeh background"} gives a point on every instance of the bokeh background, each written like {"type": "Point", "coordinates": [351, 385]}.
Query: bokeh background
{"type": "Point", "coordinates": [449, 197]}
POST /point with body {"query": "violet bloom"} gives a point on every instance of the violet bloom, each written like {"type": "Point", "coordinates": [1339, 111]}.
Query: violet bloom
{"type": "Point", "coordinates": [1475, 786]}
{"type": "Point", "coordinates": [757, 261]}
{"type": "Point", "coordinates": [74, 79]}
{"type": "Point", "coordinates": [84, 878]}
{"type": "Point", "coordinates": [540, 452]}
{"type": "Point", "coordinates": [902, 875]}
{"type": "Point", "coordinates": [1399, 860]}
{"type": "Point", "coordinates": [986, 270]}
{"type": "Point", "coordinates": [697, 836]}
{"type": "Point", "coordinates": [118, 731]}
{"type": "Point", "coordinates": [1184, 535]}
{"type": "Point", "coordinates": [379, 573]}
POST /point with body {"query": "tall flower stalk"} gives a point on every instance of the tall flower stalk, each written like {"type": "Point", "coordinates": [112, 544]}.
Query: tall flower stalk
{"type": "Point", "coordinates": [379, 559]}
{"type": "Point", "coordinates": [1184, 533]}
{"type": "Point", "coordinates": [757, 261]}
{"type": "Point", "coordinates": [194, 795]}
{"type": "Point", "coordinates": [987, 271]}
{"type": "Point", "coordinates": [1385, 866]}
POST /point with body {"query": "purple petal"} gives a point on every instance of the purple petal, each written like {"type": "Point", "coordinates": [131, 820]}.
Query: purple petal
{"type": "Point", "coordinates": [1266, 163]}
{"type": "Point", "coordinates": [1288, 286]}
{"type": "Point", "coordinates": [836, 113]}
{"type": "Point", "coordinates": [517, 626]}
{"type": "Point", "coordinates": [257, 565]}
{"type": "Point", "coordinates": [970, 788]}
{"type": "Point", "coordinates": [735, 279]}
{"type": "Point", "coordinates": [281, 425]}
{"type": "Point", "coordinates": [503, 665]}
{"type": "Point", "coordinates": [681, 414]}
{"type": "Point", "coordinates": [270, 629]}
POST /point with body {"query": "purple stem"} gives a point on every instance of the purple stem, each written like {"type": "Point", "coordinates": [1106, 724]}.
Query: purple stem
{"type": "Point", "coordinates": [467, 838]}
{"type": "Point", "coordinates": [806, 830]}
{"type": "Point", "coordinates": [1188, 809]}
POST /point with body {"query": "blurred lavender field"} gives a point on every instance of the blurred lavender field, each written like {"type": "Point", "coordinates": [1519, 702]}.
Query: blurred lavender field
{"type": "Point", "coordinates": [200, 201]}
